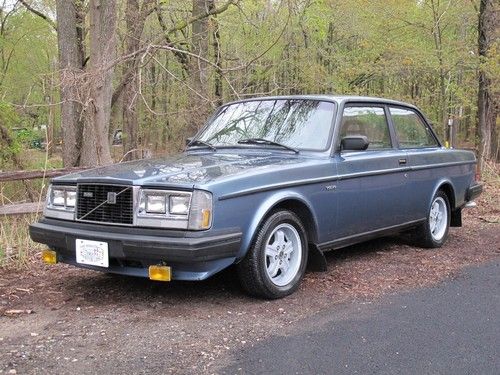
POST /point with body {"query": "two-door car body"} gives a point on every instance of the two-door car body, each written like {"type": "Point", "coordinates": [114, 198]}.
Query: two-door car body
{"type": "Point", "coordinates": [266, 184]}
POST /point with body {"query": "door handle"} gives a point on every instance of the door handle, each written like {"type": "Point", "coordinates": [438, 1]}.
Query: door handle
{"type": "Point", "coordinates": [402, 161]}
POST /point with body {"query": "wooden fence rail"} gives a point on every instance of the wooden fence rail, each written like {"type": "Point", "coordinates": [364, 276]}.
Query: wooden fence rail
{"type": "Point", "coordinates": [21, 208]}
{"type": "Point", "coordinates": [30, 207]}
{"type": "Point", "coordinates": [30, 175]}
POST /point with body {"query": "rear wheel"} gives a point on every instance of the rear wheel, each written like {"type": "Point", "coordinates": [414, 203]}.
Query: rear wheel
{"type": "Point", "coordinates": [276, 262]}
{"type": "Point", "coordinates": [434, 232]}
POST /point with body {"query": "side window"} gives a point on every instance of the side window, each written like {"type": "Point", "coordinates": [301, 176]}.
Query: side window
{"type": "Point", "coordinates": [411, 131]}
{"type": "Point", "coordinates": [368, 121]}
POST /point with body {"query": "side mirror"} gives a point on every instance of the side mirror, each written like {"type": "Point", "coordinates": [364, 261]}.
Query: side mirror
{"type": "Point", "coordinates": [189, 140]}
{"type": "Point", "coordinates": [354, 143]}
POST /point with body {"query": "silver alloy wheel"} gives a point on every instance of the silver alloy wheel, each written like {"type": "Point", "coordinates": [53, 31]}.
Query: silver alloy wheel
{"type": "Point", "coordinates": [283, 254]}
{"type": "Point", "coordinates": [438, 218]}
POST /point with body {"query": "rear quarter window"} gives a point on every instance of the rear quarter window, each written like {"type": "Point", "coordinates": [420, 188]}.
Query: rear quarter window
{"type": "Point", "coordinates": [410, 130]}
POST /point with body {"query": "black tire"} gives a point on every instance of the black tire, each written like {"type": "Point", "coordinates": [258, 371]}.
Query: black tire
{"type": "Point", "coordinates": [252, 270]}
{"type": "Point", "coordinates": [423, 235]}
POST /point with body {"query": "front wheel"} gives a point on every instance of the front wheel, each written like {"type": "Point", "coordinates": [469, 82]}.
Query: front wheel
{"type": "Point", "coordinates": [276, 261]}
{"type": "Point", "coordinates": [434, 232]}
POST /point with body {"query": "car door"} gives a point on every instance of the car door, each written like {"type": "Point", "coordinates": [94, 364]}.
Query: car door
{"type": "Point", "coordinates": [372, 184]}
{"type": "Point", "coordinates": [415, 137]}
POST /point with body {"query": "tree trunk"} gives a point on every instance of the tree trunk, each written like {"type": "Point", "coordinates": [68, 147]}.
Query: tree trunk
{"type": "Point", "coordinates": [487, 113]}
{"type": "Point", "coordinates": [51, 117]}
{"type": "Point", "coordinates": [152, 115]}
{"type": "Point", "coordinates": [165, 88]}
{"type": "Point", "coordinates": [70, 44]}
{"type": "Point", "coordinates": [438, 44]}
{"type": "Point", "coordinates": [130, 90]}
{"type": "Point", "coordinates": [95, 146]}
{"type": "Point", "coordinates": [216, 46]}
{"type": "Point", "coordinates": [198, 68]}
{"type": "Point", "coordinates": [135, 18]}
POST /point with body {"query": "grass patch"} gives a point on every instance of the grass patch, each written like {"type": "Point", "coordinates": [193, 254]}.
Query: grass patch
{"type": "Point", "coordinates": [16, 247]}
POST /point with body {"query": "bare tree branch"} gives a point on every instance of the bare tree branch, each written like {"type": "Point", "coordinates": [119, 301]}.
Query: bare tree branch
{"type": "Point", "coordinates": [182, 58]}
{"type": "Point", "coordinates": [185, 23]}
{"type": "Point", "coordinates": [177, 52]}
{"type": "Point", "coordinates": [39, 14]}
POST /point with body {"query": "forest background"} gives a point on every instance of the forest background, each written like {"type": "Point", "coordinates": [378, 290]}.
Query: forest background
{"type": "Point", "coordinates": [91, 82]}
{"type": "Point", "coordinates": [75, 73]}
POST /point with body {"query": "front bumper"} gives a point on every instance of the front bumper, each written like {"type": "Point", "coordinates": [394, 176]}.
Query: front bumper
{"type": "Point", "coordinates": [192, 255]}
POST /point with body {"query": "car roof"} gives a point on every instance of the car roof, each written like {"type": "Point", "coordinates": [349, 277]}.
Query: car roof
{"type": "Point", "coordinates": [335, 98]}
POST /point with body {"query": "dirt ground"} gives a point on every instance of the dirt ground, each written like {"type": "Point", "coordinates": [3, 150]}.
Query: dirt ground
{"type": "Point", "coordinates": [59, 319]}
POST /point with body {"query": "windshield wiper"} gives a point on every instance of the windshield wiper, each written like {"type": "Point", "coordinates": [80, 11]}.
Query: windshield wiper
{"type": "Point", "coordinates": [263, 141]}
{"type": "Point", "coordinates": [197, 142]}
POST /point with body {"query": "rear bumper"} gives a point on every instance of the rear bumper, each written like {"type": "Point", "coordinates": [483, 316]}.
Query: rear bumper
{"type": "Point", "coordinates": [192, 255]}
{"type": "Point", "coordinates": [473, 192]}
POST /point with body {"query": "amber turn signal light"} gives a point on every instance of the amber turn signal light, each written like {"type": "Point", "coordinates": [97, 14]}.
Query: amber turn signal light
{"type": "Point", "coordinates": [49, 256]}
{"type": "Point", "coordinates": [205, 221]}
{"type": "Point", "coordinates": [160, 273]}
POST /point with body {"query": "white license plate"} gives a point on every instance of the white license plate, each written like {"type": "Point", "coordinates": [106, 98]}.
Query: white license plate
{"type": "Point", "coordinates": [94, 253]}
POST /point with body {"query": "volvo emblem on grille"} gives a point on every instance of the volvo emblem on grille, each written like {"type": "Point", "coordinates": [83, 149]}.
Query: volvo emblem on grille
{"type": "Point", "coordinates": [111, 198]}
{"type": "Point", "coordinates": [88, 194]}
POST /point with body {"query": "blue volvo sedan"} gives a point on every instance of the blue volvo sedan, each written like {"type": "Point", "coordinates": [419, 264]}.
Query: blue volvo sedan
{"type": "Point", "coordinates": [268, 185]}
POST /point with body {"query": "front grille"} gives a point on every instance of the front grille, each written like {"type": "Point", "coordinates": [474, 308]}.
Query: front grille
{"type": "Point", "coordinates": [93, 204]}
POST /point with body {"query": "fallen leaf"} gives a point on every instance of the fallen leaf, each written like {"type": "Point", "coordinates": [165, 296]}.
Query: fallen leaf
{"type": "Point", "coordinates": [24, 290]}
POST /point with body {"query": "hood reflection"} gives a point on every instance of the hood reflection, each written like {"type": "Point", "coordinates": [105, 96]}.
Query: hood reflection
{"type": "Point", "coordinates": [188, 168]}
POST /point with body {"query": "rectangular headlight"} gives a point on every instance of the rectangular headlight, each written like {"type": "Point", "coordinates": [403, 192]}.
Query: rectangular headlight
{"type": "Point", "coordinates": [61, 202]}
{"type": "Point", "coordinates": [156, 203]}
{"type": "Point", "coordinates": [58, 197]}
{"type": "Point", "coordinates": [166, 204]}
{"type": "Point", "coordinates": [179, 204]}
{"type": "Point", "coordinates": [61, 197]}
{"type": "Point", "coordinates": [70, 198]}
{"type": "Point", "coordinates": [152, 202]}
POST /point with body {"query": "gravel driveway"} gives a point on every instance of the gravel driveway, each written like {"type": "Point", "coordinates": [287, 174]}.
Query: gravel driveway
{"type": "Point", "coordinates": [58, 319]}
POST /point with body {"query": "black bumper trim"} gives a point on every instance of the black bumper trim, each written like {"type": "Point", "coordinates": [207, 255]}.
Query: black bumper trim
{"type": "Point", "coordinates": [137, 246]}
{"type": "Point", "coordinates": [473, 192]}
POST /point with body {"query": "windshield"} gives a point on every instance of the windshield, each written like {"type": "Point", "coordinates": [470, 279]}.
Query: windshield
{"type": "Point", "coordinates": [297, 123]}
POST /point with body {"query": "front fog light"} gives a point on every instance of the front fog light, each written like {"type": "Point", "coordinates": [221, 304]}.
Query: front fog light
{"type": "Point", "coordinates": [49, 256]}
{"type": "Point", "coordinates": [179, 204]}
{"type": "Point", "coordinates": [160, 273]}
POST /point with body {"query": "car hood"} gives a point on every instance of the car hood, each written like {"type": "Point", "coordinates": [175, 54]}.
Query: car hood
{"type": "Point", "coordinates": [187, 169]}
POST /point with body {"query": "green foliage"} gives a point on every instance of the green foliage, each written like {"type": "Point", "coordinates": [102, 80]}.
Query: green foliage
{"type": "Point", "coordinates": [8, 121]}
{"type": "Point", "coordinates": [28, 57]}
{"type": "Point", "coordinates": [29, 138]}
{"type": "Point", "coordinates": [423, 52]}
